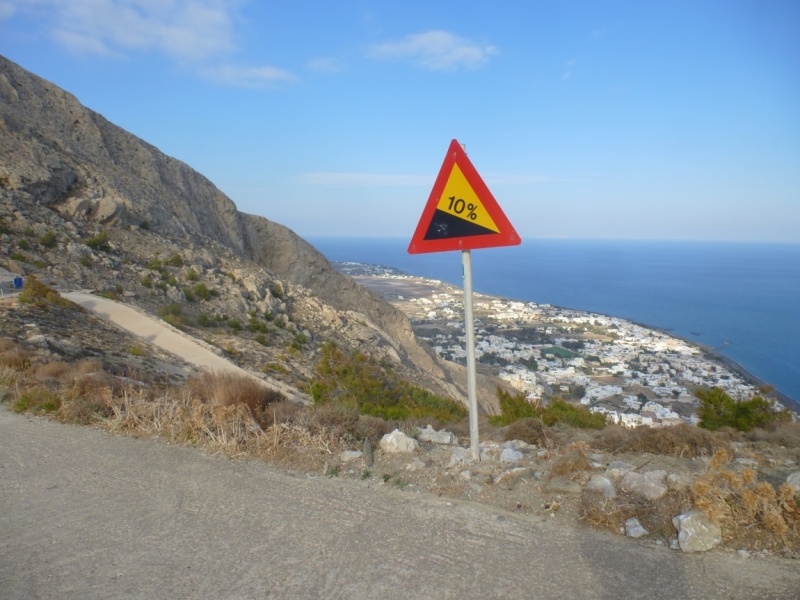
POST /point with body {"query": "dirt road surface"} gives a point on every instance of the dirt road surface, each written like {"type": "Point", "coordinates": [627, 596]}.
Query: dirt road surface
{"type": "Point", "coordinates": [157, 333]}
{"type": "Point", "coordinates": [86, 514]}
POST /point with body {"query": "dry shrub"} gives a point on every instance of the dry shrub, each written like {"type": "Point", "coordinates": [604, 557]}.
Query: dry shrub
{"type": "Point", "coordinates": [751, 513]}
{"type": "Point", "coordinates": [337, 419]}
{"type": "Point", "coordinates": [54, 370]}
{"type": "Point", "coordinates": [229, 389]}
{"type": "Point", "coordinates": [784, 434]}
{"type": "Point", "coordinates": [531, 431]}
{"type": "Point", "coordinates": [373, 428]}
{"type": "Point", "coordinates": [230, 429]}
{"type": "Point", "coordinates": [281, 412]}
{"type": "Point", "coordinates": [7, 344]}
{"type": "Point", "coordinates": [15, 358]}
{"type": "Point", "coordinates": [89, 365]}
{"type": "Point", "coordinates": [37, 400]}
{"type": "Point", "coordinates": [680, 440]}
{"type": "Point", "coordinates": [655, 517]}
{"type": "Point", "coordinates": [84, 410]}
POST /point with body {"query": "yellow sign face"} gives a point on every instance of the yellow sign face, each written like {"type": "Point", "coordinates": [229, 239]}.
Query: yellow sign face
{"type": "Point", "coordinates": [460, 200]}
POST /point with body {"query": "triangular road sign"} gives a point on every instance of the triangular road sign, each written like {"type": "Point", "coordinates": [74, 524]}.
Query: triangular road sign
{"type": "Point", "coordinates": [461, 213]}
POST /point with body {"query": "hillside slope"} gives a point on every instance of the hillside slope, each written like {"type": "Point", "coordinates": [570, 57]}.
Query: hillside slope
{"type": "Point", "coordinates": [56, 153]}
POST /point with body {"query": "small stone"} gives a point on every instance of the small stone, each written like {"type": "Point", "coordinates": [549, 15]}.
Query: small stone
{"type": "Point", "coordinates": [368, 459]}
{"type": "Point", "coordinates": [603, 485]}
{"type": "Point", "coordinates": [482, 478]}
{"type": "Point", "coordinates": [634, 529]}
{"type": "Point", "coordinates": [509, 455]}
{"type": "Point", "coordinates": [511, 476]}
{"type": "Point", "coordinates": [696, 532]}
{"type": "Point", "coordinates": [350, 455]}
{"type": "Point", "coordinates": [674, 544]}
{"type": "Point", "coordinates": [415, 465]}
{"type": "Point", "coordinates": [465, 475]}
{"type": "Point", "coordinates": [597, 465]}
{"type": "Point", "coordinates": [743, 553]}
{"type": "Point", "coordinates": [597, 457]}
{"type": "Point", "coordinates": [642, 485]}
{"type": "Point", "coordinates": [398, 442]}
{"type": "Point", "coordinates": [616, 469]}
{"type": "Point", "coordinates": [747, 462]}
{"type": "Point", "coordinates": [794, 480]}
{"type": "Point", "coordinates": [560, 484]}
{"type": "Point", "coordinates": [541, 453]}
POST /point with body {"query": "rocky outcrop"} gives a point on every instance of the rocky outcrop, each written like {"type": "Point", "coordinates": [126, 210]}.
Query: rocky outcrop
{"type": "Point", "coordinates": [58, 153]}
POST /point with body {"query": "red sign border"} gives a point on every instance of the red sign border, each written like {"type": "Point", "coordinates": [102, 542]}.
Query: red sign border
{"type": "Point", "coordinates": [507, 236]}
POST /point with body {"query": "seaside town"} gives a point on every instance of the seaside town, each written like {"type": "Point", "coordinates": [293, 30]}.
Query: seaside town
{"type": "Point", "coordinates": [633, 374]}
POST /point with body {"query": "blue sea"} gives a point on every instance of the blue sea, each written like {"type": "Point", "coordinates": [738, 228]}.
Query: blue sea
{"type": "Point", "coordinates": [743, 299]}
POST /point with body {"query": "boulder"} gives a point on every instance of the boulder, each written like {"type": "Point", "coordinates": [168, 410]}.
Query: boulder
{"type": "Point", "coordinates": [509, 455]}
{"type": "Point", "coordinates": [616, 469]}
{"type": "Point", "coordinates": [429, 434]}
{"type": "Point", "coordinates": [794, 481]}
{"type": "Point", "coordinates": [644, 486]}
{"type": "Point", "coordinates": [350, 455]}
{"type": "Point", "coordinates": [634, 529]}
{"type": "Point", "coordinates": [569, 463]}
{"type": "Point", "coordinates": [679, 483]}
{"type": "Point", "coordinates": [603, 485]}
{"type": "Point", "coordinates": [398, 442]}
{"type": "Point", "coordinates": [696, 532]}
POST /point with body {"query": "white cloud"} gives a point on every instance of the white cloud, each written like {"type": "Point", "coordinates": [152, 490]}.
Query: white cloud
{"type": "Point", "coordinates": [365, 179]}
{"type": "Point", "coordinates": [194, 33]}
{"type": "Point", "coordinates": [437, 51]}
{"type": "Point", "coordinates": [325, 64]}
{"type": "Point", "coordinates": [239, 76]}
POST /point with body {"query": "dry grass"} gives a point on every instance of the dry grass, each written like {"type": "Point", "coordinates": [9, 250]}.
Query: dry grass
{"type": "Point", "coordinates": [752, 513]}
{"type": "Point", "coordinates": [228, 389]}
{"type": "Point", "coordinates": [681, 440]}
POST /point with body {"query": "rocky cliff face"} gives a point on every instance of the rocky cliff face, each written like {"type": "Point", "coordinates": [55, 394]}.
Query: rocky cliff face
{"type": "Point", "coordinates": [56, 153]}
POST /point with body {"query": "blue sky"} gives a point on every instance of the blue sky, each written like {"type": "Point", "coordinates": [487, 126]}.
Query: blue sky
{"type": "Point", "coordinates": [638, 120]}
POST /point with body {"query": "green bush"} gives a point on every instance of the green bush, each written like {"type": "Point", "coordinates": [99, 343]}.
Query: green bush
{"type": "Point", "coordinates": [203, 320]}
{"type": "Point", "coordinates": [98, 242]}
{"type": "Point", "coordinates": [175, 260]}
{"type": "Point", "coordinates": [375, 390]}
{"type": "Point", "coordinates": [85, 261]}
{"type": "Point", "coordinates": [147, 281]}
{"type": "Point", "coordinates": [235, 324]}
{"type": "Point", "coordinates": [23, 244]}
{"type": "Point", "coordinates": [191, 275]}
{"type": "Point", "coordinates": [718, 409]}
{"type": "Point", "coordinates": [18, 256]}
{"type": "Point", "coordinates": [144, 224]}
{"type": "Point", "coordinates": [172, 281]}
{"type": "Point", "coordinates": [49, 239]}
{"type": "Point", "coordinates": [154, 264]}
{"type": "Point", "coordinates": [261, 339]}
{"type": "Point", "coordinates": [202, 291]}
{"type": "Point", "coordinates": [514, 407]}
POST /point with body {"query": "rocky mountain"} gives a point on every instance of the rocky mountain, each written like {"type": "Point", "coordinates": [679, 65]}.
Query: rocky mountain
{"type": "Point", "coordinates": [65, 168]}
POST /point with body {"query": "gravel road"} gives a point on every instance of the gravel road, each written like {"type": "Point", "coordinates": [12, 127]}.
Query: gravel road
{"type": "Point", "coordinates": [86, 514]}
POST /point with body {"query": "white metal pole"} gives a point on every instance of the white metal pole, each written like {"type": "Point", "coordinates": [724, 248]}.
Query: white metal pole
{"type": "Point", "coordinates": [469, 330]}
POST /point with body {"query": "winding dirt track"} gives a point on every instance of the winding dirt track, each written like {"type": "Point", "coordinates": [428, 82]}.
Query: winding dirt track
{"type": "Point", "coordinates": [157, 333]}
{"type": "Point", "coordinates": [85, 514]}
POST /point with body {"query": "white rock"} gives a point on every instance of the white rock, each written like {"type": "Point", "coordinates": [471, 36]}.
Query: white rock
{"type": "Point", "coordinates": [465, 475]}
{"type": "Point", "coordinates": [511, 444]}
{"type": "Point", "coordinates": [509, 455]}
{"type": "Point", "coordinates": [464, 456]}
{"type": "Point", "coordinates": [634, 529]}
{"type": "Point", "coordinates": [747, 462]}
{"type": "Point", "coordinates": [398, 442]}
{"type": "Point", "coordinates": [616, 469]}
{"type": "Point", "coordinates": [350, 455]}
{"type": "Point", "coordinates": [794, 480]}
{"type": "Point", "coordinates": [696, 532]}
{"type": "Point", "coordinates": [674, 544]}
{"type": "Point", "coordinates": [429, 434]}
{"type": "Point", "coordinates": [642, 485]}
{"type": "Point", "coordinates": [602, 484]}
{"type": "Point", "coordinates": [743, 553]}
